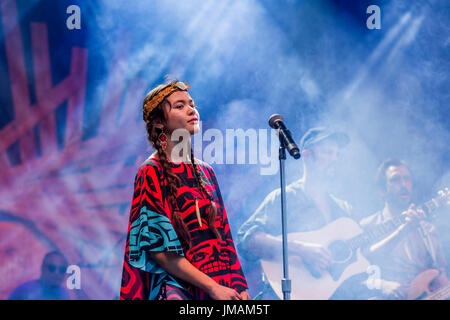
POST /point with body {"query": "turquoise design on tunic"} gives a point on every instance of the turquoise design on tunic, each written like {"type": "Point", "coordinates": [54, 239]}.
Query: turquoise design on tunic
{"type": "Point", "coordinates": [153, 232]}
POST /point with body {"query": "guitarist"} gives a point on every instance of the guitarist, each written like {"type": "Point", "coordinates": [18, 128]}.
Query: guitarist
{"type": "Point", "coordinates": [413, 247]}
{"type": "Point", "coordinates": [309, 205]}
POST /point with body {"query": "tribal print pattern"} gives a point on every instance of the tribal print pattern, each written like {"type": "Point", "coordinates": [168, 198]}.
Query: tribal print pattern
{"type": "Point", "coordinates": [150, 229]}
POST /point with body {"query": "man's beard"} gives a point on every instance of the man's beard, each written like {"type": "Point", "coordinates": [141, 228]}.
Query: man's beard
{"type": "Point", "coordinates": [400, 200]}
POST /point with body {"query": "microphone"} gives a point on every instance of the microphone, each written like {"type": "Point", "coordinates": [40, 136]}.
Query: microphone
{"type": "Point", "coordinates": [276, 122]}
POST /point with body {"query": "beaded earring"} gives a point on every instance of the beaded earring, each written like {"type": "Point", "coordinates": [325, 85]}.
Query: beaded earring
{"type": "Point", "coordinates": [162, 139]}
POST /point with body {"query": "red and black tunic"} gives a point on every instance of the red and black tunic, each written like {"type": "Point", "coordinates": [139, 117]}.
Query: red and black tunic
{"type": "Point", "coordinates": [150, 229]}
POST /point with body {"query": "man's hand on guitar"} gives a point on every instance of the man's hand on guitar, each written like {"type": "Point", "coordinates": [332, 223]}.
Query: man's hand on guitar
{"type": "Point", "coordinates": [315, 256]}
{"type": "Point", "coordinates": [413, 215]}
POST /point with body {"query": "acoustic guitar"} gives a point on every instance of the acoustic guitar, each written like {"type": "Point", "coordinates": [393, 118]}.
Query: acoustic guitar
{"type": "Point", "coordinates": [344, 238]}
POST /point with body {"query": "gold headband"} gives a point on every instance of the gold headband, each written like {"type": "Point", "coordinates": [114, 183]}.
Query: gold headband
{"type": "Point", "coordinates": [164, 93]}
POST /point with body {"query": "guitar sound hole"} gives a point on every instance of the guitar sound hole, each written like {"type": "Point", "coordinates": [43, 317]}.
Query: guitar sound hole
{"type": "Point", "coordinates": [340, 251]}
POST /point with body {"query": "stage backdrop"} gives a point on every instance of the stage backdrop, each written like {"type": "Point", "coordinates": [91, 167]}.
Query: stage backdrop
{"type": "Point", "coordinates": [73, 75]}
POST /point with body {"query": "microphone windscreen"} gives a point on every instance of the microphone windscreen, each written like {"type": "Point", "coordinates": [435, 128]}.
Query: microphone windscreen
{"type": "Point", "coordinates": [274, 119]}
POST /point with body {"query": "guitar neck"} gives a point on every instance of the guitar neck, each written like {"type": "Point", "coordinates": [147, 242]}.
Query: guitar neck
{"type": "Point", "coordinates": [375, 233]}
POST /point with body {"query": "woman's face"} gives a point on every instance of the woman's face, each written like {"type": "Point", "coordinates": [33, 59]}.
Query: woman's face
{"type": "Point", "coordinates": [181, 113]}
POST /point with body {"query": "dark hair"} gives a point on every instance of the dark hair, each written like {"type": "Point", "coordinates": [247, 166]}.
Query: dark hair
{"type": "Point", "coordinates": [54, 253]}
{"type": "Point", "coordinates": [381, 172]}
{"type": "Point", "coordinates": [157, 115]}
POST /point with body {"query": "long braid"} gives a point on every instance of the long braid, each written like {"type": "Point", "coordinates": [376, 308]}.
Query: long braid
{"type": "Point", "coordinates": [212, 210]}
{"type": "Point", "coordinates": [173, 182]}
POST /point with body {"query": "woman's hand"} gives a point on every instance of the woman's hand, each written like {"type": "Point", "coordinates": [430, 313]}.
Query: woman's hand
{"type": "Point", "coordinates": [183, 269]}
{"type": "Point", "coordinates": [244, 295]}
{"type": "Point", "coordinates": [218, 292]}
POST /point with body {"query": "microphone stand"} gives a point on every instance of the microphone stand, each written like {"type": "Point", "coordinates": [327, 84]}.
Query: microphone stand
{"type": "Point", "coordinates": [285, 282]}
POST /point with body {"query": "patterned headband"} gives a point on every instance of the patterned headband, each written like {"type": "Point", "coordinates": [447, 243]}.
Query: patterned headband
{"type": "Point", "coordinates": [164, 93]}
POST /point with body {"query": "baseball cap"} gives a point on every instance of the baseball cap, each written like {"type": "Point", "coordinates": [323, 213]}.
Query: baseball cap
{"type": "Point", "coordinates": [318, 134]}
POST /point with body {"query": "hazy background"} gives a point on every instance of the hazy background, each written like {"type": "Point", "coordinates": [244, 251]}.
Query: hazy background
{"type": "Point", "coordinates": [70, 149]}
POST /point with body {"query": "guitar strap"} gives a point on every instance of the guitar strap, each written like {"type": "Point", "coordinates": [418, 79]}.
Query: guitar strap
{"type": "Point", "coordinates": [428, 241]}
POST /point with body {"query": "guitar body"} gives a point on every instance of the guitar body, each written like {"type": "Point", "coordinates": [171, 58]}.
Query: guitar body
{"type": "Point", "coordinates": [346, 262]}
{"type": "Point", "coordinates": [420, 287]}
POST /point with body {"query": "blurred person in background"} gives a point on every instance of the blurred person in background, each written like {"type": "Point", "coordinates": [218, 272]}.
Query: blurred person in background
{"type": "Point", "coordinates": [50, 285]}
